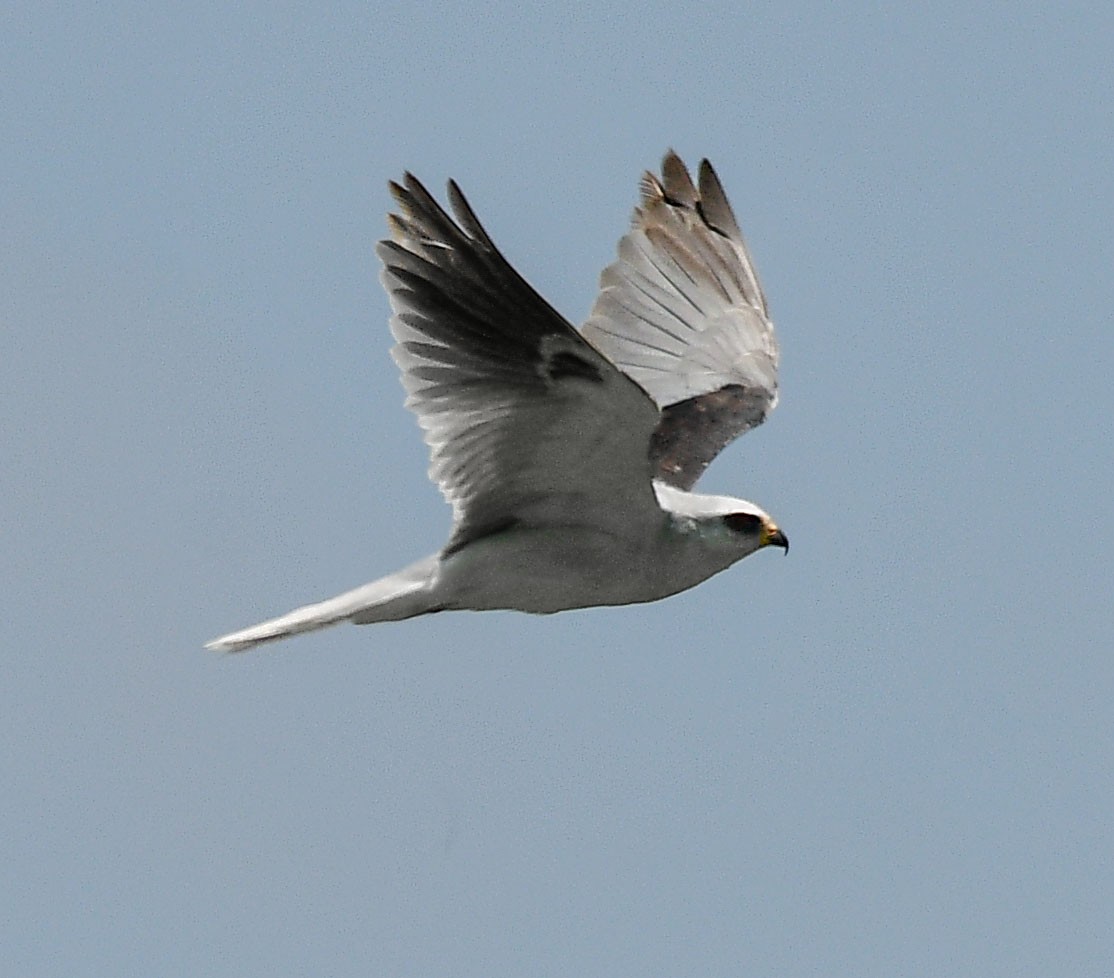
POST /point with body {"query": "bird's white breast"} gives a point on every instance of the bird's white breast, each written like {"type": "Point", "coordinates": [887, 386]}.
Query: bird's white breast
{"type": "Point", "coordinates": [543, 570]}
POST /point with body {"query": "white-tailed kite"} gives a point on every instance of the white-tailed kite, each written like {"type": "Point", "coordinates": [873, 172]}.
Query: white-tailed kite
{"type": "Point", "coordinates": [568, 457]}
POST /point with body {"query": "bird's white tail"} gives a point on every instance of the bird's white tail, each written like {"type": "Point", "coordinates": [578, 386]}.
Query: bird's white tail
{"type": "Point", "coordinates": [403, 594]}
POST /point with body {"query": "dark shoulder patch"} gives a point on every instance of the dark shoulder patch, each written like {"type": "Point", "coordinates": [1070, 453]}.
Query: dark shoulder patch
{"type": "Point", "coordinates": [564, 364]}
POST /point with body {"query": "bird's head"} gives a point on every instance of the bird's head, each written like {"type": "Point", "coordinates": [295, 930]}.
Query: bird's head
{"type": "Point", "coordinates": [723, 520]}
{"type": "Point", "coordinates": [755, 529]}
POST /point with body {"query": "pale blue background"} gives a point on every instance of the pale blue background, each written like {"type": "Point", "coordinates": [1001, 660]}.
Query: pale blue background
{"type": "Point", "coordinates": [888, 754]}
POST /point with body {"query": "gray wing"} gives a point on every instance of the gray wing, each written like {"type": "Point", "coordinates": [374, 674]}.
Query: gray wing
{"type": "Point", "coordinates": [682, 313]}
{"type": "Point", "coordinates": [527, 424]}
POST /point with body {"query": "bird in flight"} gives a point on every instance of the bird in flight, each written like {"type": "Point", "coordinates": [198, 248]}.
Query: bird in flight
{"type": "Point", "coordinates": [569, 457]}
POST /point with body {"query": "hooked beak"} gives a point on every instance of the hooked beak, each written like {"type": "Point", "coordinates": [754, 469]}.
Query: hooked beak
{"type": "Point", "coordinates": [773, 537]}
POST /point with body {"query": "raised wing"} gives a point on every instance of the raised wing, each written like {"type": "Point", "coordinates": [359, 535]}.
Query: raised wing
{"type": "Point", "coordinates": [682, 312]}
{"type": "Point", "coordinates": [527, 424]}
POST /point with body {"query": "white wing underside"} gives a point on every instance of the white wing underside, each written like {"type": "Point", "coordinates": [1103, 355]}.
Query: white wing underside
{"type": "Point", "coordinates": [682, 313]}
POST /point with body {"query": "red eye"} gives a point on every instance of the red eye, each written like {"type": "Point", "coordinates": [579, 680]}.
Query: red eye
{"type": "Point", "coordinates": [743, 522]}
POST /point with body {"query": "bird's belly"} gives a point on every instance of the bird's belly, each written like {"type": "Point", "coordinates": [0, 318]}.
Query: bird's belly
{"type": "Point", "coordinates": [553, 569]}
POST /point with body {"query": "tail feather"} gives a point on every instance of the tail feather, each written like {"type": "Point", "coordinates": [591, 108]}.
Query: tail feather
{"type": "Point", "coordinates": [403, 594]}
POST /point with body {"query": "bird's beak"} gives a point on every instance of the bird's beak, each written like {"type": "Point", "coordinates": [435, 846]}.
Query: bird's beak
{"type": "Point", "coordinates": [773, 537]}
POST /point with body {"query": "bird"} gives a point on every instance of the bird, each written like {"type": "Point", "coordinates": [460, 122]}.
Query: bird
{"type": "Point", "coordinates": [568, 457]}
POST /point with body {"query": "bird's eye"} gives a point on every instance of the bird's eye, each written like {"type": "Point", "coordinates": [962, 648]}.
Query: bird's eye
{"type": "Point", "coordinates": [743, 522]}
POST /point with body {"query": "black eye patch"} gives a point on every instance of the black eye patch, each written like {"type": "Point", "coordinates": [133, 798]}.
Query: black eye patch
{"type": "Point", "coordinates": [743, 522]}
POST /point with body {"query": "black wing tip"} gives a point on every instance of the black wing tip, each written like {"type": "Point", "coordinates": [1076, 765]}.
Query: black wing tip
{"type": "Point", "coordinates": [715, 208]}
{"type": "Point", "coordinates": [420, 223]}
{"type": "Point", "coordinates": [409, 191]}
{"type": "Point", "coordinates": [421, 218]}
{"type": "Point", "coordinates": [706, 196]}
{"type": "Point", "coordinates": [677, 181]}
{"type": "Point", "coordinates": [466, 216]}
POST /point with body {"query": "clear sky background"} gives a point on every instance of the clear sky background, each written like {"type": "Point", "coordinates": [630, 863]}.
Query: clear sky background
{"type": "Point", "coordinates": [890, 753]}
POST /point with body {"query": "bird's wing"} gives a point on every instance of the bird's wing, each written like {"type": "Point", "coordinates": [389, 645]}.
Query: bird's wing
{"type": "Point", "coordinates": [682, 312]}
{"type": "Point", "coordinates": [527, 424]}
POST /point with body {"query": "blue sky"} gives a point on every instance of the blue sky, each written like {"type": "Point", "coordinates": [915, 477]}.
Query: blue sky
{"type": "Point", "coordinates": [889, 753]}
